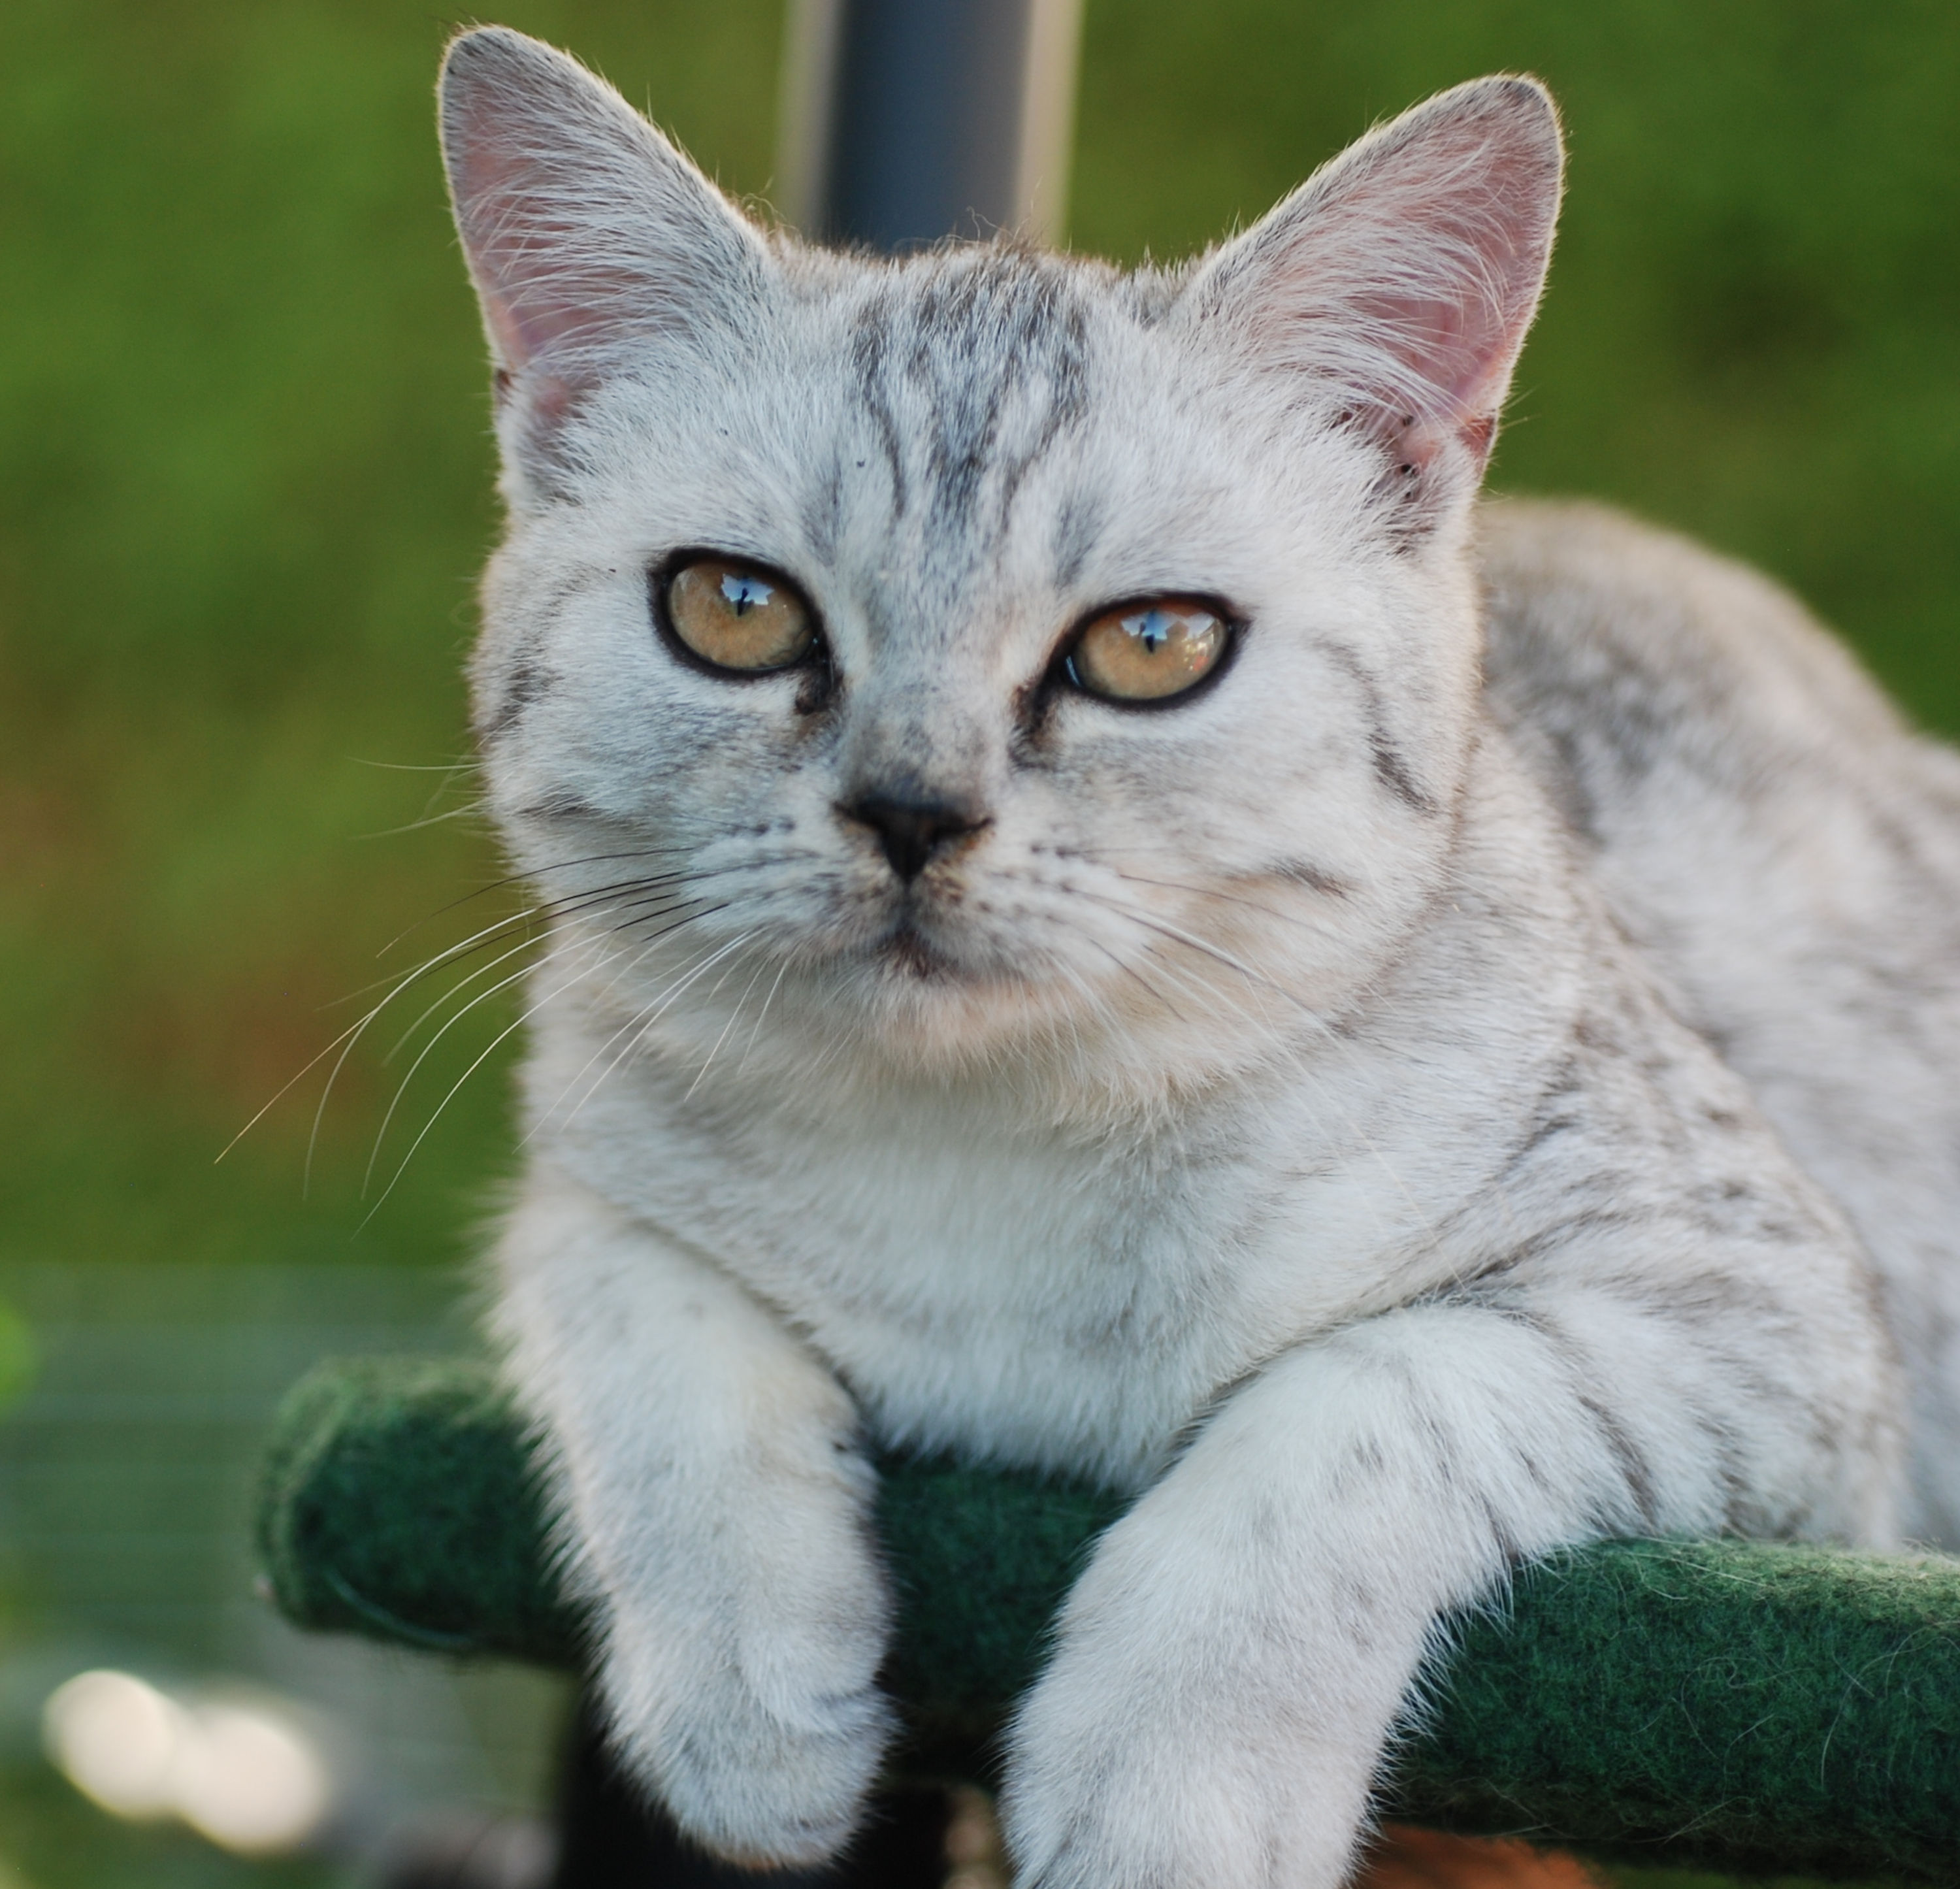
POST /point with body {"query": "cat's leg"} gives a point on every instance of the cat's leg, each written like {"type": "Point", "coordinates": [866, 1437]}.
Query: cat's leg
{"type": "Point", "coordinates": [717, 1513]}
{"type": "Point", "coordinates": [1235, 1658]}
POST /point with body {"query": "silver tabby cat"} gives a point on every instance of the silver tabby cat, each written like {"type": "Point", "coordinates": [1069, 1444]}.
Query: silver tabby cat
{"type": "Point", "coordinates": [1105, 917]}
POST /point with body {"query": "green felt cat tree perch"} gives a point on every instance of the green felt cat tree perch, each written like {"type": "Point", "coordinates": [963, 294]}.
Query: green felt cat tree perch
{"type": "Point", "coordinates": [1737, 1705]}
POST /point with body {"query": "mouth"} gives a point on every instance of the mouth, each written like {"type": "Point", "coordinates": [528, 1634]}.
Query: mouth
{"type": "Point", "coordinates": [906, 950]}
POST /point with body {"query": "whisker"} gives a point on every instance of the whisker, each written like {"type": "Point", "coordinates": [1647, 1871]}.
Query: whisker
{"type": "Point", "coordinates": [1211, 892]}
{"type": "Point", "coordinates": [311, 1063]}
{"type": "Point", "coordinates": [410, 767]}
{"type": "Point", "coordinates": [651, 1015]}
{"type": "Point", "coordinates": [350, 1037]}
{"type": "Point", "coordinates": [762, 1016]}
{"type": "Point", "coordinates": [1149, 989]}
{"type": "Point", "coordinates": [520, 878]}
{"type": "Point", "coordinates": [399, 981]}
{"type": "Point", "coordinates": [455, 989]}
{"type": "Point", "coordinates": [1097, 1000]}
{"type": "Point", "coordinates": [509, 1029]}
{"type": "Point", "coordinates": [666, 911]}
{"type": "Point", "coordinates": [489, 937]}
{"type": "Point", "coordinates": [401, 1088]}
{"type": "Point", "coordinates": [1181, 937]}
{"type": "Point", "coordinates": [525, 920]}
{"type": "Point", "coordinates": [733, 1015]}
{"type": "Point", "coordinates": [654, 888]}
{"type": "Point", "coordinates": [474, 810]}
{"type": "Point", "coordinates": [633, 1023]}
{"type": "Point", "coordinates": [573, 906]}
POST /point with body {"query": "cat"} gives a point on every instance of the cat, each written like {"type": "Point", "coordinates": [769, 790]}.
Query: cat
{"type": "Point", "coordinates": [1059, 952]}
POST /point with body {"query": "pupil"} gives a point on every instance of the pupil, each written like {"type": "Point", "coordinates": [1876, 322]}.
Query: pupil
{"type": "Point", "coordinates": [743, 594]}
{"type": "Point", "coordinates": [1153, 630]}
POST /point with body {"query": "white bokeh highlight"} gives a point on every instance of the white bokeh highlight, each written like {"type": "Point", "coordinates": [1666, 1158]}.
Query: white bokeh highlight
{"type": "Point", "coordinates": [239, 1770]}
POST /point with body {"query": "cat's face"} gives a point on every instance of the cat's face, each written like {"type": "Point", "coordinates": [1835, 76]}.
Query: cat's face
{"type": "Point", "coordinates": [948, 660]}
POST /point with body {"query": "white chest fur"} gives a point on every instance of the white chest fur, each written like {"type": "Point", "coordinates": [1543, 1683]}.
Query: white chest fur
{"type": "Point", "coordinates": [991, 1281]}
{"type": "Point", "coordinates": [1015, 1296]}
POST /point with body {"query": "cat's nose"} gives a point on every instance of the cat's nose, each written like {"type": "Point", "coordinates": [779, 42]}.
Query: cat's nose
{"type": "Point", "coordinates": [913, 827]}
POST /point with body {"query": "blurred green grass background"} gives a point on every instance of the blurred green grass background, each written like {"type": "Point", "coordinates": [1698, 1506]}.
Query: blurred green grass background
{"type": "Point", "coordinates": [244, 480]}
{"type": "Point", "coordinates": [245, 486]}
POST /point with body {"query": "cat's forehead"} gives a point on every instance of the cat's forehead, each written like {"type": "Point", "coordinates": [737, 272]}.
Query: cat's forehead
{"type": "Point", "coordinates": [969, 367]}
{"type": "Point", "coordinates": [958, 439]}
{"type": "Point", "coordinates": [978, 431]}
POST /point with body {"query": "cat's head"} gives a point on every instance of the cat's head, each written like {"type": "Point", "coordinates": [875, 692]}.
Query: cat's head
{"type": "Point", "coordinates": [984, 655]}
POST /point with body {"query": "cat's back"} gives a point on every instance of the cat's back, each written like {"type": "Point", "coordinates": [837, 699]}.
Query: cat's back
{"type": "Point", "coordinates": [1687, 714]}
{"type": "Point", "coordinates": [1651, 657]}
{"type": "Point", "coordinates": [1763, 822]}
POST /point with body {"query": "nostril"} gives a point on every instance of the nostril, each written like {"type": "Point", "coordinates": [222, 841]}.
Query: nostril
{"type": "Point", "coordinates": [912, 830]}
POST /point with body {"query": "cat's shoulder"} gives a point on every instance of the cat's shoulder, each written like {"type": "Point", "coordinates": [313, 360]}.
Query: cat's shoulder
{"type": "Point", "coordinates": [1654, 686]}
{"type": "Point", "coordinates": [1598, 618]}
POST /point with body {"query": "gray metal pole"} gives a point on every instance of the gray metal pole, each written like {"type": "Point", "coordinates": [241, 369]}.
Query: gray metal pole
{"type": "Point", "coordinates": [905, 121]}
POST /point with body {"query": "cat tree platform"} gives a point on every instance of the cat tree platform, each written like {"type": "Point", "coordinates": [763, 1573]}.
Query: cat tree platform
{"type": "Point", "coordinates": [1732, 1705]}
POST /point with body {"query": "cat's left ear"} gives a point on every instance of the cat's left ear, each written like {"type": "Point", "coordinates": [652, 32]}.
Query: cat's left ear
{"type": "Point", "coordinates": [590, 237]}
{"type": "Point", "coordinates": [1398, 281]}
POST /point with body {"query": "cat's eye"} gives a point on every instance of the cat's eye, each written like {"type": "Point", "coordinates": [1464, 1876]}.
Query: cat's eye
{"type": "Point", "coordinates": [737, 617]}
{"type": "Point", "coordinates": [1149, 652]}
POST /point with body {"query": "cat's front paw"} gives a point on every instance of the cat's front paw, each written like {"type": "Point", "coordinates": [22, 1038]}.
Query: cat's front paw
{"type": "Point", "coordinates": [757, 1722]}
{"type": "Point", "coordinates": [1136, 1766]}
{"type": "Point", "coordinates": [762, 1778]}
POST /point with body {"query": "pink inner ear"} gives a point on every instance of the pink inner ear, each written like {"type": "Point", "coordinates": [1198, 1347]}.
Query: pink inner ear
{"type": "Point", "coordinates": [1462, 366]}
{"type": "Point", "coordinates": [480, 185]}
{"type": "Point", "coordinates": [1459, 340]}
{"type": "Point", "coordinates": [1457, 351]}
{"type": "Point", "coordinates": [586, 233]}
{"type": "Point", "coordinates": [1406, 274]}
{"type": "Point", "coordinates": [542, 290]}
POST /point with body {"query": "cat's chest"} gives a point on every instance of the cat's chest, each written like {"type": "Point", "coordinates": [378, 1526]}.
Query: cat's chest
{"type": "Point", "coordinates": [988, 1299]}
{"type": "Point", "coordinates": [987, 1281]}
{"type": "Point", "coordinates": [1012, 1294]}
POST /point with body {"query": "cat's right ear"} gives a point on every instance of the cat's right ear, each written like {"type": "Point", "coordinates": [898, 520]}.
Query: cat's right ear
{"type": "Point", "coordinates": [590, 237]}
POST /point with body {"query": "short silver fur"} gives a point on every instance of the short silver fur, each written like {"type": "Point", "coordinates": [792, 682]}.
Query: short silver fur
{"type": "Point", "coordinates": [1393, 1123]}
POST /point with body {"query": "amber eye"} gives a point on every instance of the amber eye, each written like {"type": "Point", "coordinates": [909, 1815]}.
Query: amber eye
{"type": "Point", "coordinates": [737, 617]}
{"type": "Point", "coordinates": [1149, 652]}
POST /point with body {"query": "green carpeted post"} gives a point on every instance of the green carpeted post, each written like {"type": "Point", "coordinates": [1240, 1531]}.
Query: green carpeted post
{"type": "Point", "coordinates": [1737, 1705]}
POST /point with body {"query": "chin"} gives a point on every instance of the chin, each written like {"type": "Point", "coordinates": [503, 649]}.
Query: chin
{"type": "Point", "coordinates": [914, 1001]}
{"type": "Point", "coordinates": [917, 1007]}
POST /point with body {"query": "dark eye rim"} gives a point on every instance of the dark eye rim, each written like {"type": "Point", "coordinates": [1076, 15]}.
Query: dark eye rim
{"type": "Point", "coordinates": [660, 575]}
{"type": "Point", "coordinates": [1237, 625]}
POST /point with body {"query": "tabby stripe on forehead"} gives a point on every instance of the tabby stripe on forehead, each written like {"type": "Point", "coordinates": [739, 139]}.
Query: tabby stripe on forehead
{"type": "Point", "coordinates": [871, 339]}
{"type": "Point", "coordinates": [1077, 524]}
{"type": "Point", "coordinates": [1068, 402]}
{"type": "Point", "coordinates": [988, 329]}
{"type": "Point", "coordinates": [822, 515]}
